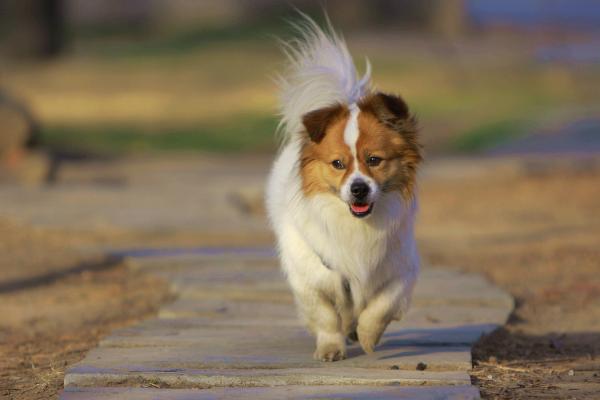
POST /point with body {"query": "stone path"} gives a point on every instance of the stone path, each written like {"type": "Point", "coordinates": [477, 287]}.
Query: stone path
{"type": "Point", "coordinates": [232, 332]}
{"type": "Point", "coordinates": [139, 194]}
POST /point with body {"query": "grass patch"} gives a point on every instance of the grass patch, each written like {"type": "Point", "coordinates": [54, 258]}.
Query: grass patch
{"type": "Point", "coordinates": [183, 42]}
{"type": "Point", "coordinates": [141, 41]}
{"type": "Point", "coordinates": [489, 135]}
{"type": "Point", "coordinates": [242, 133]}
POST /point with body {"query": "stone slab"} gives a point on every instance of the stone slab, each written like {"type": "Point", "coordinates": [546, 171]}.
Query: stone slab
{"type": "Point", "coordinates": [148, 196]}
{"type": "Point", "coordinates": [168, 334]}
{"type": "Point", "coordinates": [260, 308]}
{"type": "Point", "coordinates": [272, 352]}
{"type": "Point", "coordinates": [206, 271]}
{"type": "Point", "coordinates": [275, 310]}
{"type": "Point", "coordinates": [444, 315]}
{"type": "Point", "coordinates": [211, 378]}
{"type": "Point", "coordinates": [267, 292]}
{"type": "Point", "coordinates": [444, 286]}
{"type": "Point", "coordinates": [463, 392]}
{"type": "Point", "coordinates": [196, 277]}
{"type": "Point", "coordinates": [224, 258]}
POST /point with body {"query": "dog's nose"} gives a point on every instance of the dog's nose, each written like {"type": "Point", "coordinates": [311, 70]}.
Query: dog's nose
{"type": "Point", "coordinates": [359, 189]}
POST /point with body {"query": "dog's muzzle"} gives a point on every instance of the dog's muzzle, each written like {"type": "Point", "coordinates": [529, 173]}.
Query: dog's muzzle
{"type": "Point", "coordinates": [360, 206]}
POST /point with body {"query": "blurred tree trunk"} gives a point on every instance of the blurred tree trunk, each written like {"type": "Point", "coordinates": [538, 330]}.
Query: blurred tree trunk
{"type": "Point", "coordinates": [39, 27]}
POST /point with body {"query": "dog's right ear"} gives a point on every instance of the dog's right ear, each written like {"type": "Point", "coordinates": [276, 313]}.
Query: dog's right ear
{"type": "Point", "coordinates": [317, 121]}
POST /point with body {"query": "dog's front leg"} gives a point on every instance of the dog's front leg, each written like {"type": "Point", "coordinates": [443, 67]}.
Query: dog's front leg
{"type": "Point", "coordinates": [385, 306]}
{"type": "Point", "coordinates": [323, 320]}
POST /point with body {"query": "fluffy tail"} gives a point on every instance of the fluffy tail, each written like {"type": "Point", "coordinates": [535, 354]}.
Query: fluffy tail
{"type": "Point", "coordinates": [320, 72]}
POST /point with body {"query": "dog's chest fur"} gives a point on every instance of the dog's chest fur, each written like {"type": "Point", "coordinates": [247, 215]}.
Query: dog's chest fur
{"type": "Point", "coordinates": [362, 253]}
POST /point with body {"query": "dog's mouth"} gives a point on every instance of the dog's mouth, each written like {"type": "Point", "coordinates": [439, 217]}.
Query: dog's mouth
{"type": "Point", "coordinates": [361, 210]}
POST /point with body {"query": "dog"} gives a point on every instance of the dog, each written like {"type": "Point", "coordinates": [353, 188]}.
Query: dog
{"type": "Point", "coordinates": [341, 194]}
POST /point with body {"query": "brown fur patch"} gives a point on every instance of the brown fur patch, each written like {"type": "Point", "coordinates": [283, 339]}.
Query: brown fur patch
{"type": "Point", "coordinates": [388, 131]}
{"type": "Point", "coordinates": [316, 122]}
{"type": "Point", "coordinates": [318, 175]}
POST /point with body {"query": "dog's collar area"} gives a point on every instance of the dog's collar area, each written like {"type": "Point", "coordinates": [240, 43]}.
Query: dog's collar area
{"type": "Point", "coordinates": [326, 265]}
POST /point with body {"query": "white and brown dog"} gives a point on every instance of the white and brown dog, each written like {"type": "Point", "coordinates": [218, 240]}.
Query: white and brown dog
{"type": "Point", "coordinates": [341, 195]}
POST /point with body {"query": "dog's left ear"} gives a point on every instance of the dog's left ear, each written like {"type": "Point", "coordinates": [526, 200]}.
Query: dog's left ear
{"type": "Point", "coordinates": [389, 109]}
{"type": "Point", "coordinates": [393, 112]}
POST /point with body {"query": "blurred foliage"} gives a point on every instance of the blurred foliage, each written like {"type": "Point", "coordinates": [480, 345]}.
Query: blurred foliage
{"type": "Point", "coordinates": [488, 135]}
{"type": "Point", "coordinates": [238, 133]}
{"type": "Point", "coordinates": [124, 42]}
{"type": "Point", "coordinates": [136, 88]}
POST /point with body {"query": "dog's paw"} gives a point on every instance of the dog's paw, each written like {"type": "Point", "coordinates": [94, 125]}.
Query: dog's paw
{"type": "Point", "coordinates": [330, 347]}
{"type": "Point", "coordinates": [330, 352]}
{"type": "Point", "coordinates": [368, 339]}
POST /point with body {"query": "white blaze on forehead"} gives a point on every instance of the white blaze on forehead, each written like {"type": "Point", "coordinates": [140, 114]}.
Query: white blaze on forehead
{"type": "Point", "coordinates": [351, 134]}
{"type": "Point", "coordinates": [351, 130]}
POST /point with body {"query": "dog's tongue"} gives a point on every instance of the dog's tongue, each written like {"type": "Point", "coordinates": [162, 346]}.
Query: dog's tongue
{"type": "Point", "coordinates": [359, 208]}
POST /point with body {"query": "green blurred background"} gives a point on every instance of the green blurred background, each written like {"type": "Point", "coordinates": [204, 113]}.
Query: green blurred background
{"type": "Point", "coordinates": [128, 77]}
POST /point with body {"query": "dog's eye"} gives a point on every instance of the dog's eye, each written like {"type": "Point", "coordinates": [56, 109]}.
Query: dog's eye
{"type": "Point", "coordinates": [338, 164]}
{"type": "Point", "coordinates": [373, 161]}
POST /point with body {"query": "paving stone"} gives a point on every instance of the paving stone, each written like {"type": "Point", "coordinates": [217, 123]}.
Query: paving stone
{"type": "Point", "coordinates": [190, 274]}
{"type": "Point", "coordinates": [268, 310]}
{"type": "Point", "coordinates": [261, 292]}
{"type": "Point", "coordinates": [163, 325]}
{"type": "Point", "coordinates": [439, 336]}
{"type": "Point", "coordinates": [439, 286]}
{"type": "Point", "coordinates": [260, 336]}
{"type": "Point", "coordinates": [227, 276]}
{"type": "Point", "coordinates": [221, 258]}
{"type": "Point", "coordinates": [201, 279]}
{"type": "Point", "coordinates": [463, 392]}
{"type": "Point", "coordinates": [188, 328]}
{"type": "Point", "coordinates": [442, 315]}
{"type": "Point", "coordinates": [166, 334]}
{"type": "Point", "coordinates": [273, 310]}
{"type": "Point", "coordinates": [211, 378]}
{"type": "Point", "coordinates": [272, 350]}
{"type": "Point", "coordinates": [181, 204]}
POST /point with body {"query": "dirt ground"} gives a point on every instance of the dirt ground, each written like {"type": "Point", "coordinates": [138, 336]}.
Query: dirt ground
{"type": "Point", "coordinates": [534, 229]}
{"type": "Point", "coordinates": [50, 323]}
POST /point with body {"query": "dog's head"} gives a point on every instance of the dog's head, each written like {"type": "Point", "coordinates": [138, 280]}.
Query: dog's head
{"type": "Point", "coordinates": [361, 152]}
